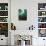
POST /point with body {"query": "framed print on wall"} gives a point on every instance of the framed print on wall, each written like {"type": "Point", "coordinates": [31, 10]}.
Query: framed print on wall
{"type": "Point", "coordinates": [22, 14]}
{"type": "Point", "coordinates": [42, 32]}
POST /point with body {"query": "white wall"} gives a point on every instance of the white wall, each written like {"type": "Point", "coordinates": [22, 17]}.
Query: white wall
{"type": "Point", "coordinates": [31, 13]}
{"type": "Point", "coordinates": [32, 9]}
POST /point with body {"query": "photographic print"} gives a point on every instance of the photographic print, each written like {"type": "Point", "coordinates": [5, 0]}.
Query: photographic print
{"type": "Point", "coordinates": [4, 29]}
{"type": "Point", "coordinates": [41, 19]}
{"type": "Point", "coordinates": [3, 6]}
{"type": "Point", "coordinates": [3, 13]}
{"type": "Point", "coordinates": [41, 6]}
{"type": "Point", "coordinates": [22, 14]}
{"type": "Point", "coordinates": [41, 25]}
{"type": "Point", "coordinates": [41, 13]}
{"type": "Point", "coordinates": [3, 19]}
{"type": "Point", "coordinates": [42, 32]}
